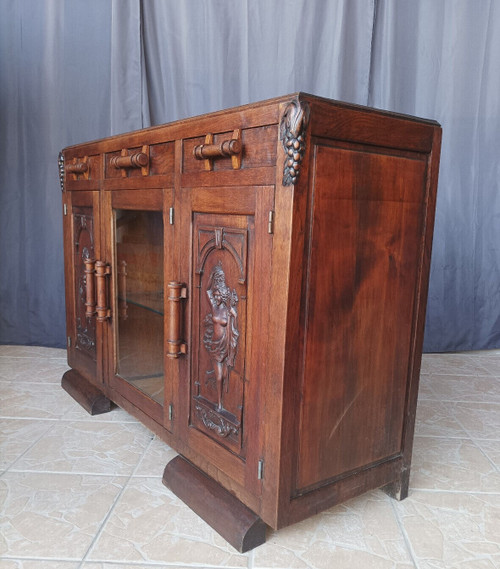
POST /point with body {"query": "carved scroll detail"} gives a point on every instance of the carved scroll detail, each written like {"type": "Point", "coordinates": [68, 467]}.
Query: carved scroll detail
{"type": "Point", "coordinates": [216, 422]}
{"type": "Point", "coordinates": [292, 134]}
{"type": "Point", "coordinates": [84, 250]}
{"type": "Point", "coordinates": [221, 329]}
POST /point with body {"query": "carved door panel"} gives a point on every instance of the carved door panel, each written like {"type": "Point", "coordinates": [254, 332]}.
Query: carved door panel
{"type": "Point", "coordinates": [219, 325]}
{"type": "Point", "coordinates": [82, 249]}
{"type": "Point", "coordinates": [228, 305]}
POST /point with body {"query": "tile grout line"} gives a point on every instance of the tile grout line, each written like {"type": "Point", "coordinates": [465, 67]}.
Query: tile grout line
{"type": "Point", "coordinates": [406, 539]}
{"type": "Point", "coordinates": [113, 506]}
{"type": "Point", "coordinates": [11, 468]}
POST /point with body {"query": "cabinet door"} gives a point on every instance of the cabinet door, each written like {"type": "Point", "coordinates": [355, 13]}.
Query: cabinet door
{"type": "Point", "coordinates": [82, 249]}
{"type": "Point", "coordinates": [227, 231]}
{"type": "Point", "coordinates": [138, 254]}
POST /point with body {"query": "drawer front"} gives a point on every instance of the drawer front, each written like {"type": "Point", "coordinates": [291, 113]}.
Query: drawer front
{"type": "Point", "coordinates": [238, 149]}
{"type": "Point", "coordinates": [81, 168]}
{"type": "Point", "coordinates": [140, 161]}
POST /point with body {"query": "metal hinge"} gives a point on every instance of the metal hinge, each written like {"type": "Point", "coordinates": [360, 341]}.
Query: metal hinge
{"type": "Point", "coordinates": [170, 412]}
{"type": "Point", "coordinates": [69, 341]}
{"type": "Point", "coordinates": [270, 222]}
{"type": "Point", "coordinates": [65, 208]}
{"type": "Point", "coordinates": [260, 469]}
{"type": "Point", "coordinates": [171, 216]}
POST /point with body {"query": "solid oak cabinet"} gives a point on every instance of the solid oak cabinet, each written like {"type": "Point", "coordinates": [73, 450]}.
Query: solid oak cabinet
{"type": "Point", "coordinates": [251, 284]}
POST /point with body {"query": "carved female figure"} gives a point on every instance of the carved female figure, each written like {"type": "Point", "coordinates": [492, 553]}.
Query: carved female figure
{"type": "Point", "coordinates": [221, 334]}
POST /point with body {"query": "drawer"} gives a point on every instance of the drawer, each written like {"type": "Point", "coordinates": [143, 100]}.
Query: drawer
{"type": "Point", "coordinates": [140, 161]}
{"type": "Point", "coordinates": [231, 150]}
{"type": "Point", "coordinates": [80, 168]}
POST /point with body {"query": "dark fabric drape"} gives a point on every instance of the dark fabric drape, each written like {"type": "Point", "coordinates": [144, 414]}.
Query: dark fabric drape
{"type": "Point", "coordinates": [76, 70]}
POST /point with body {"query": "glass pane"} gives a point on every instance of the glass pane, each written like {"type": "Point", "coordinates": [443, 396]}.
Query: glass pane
{"type": "Point", "coordinates": [139, 262]}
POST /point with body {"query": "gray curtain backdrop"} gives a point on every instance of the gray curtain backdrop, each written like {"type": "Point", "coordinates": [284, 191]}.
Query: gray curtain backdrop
{"type": "Point", "coordinates": [76, 70]}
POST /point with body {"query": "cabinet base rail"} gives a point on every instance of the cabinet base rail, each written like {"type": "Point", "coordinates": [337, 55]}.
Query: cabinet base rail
{"type": "Point", "coordinates": [229, 517]}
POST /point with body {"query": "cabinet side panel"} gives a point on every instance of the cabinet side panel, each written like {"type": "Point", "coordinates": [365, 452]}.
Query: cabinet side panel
{"type": "Point", "coordinates": [358, 309]}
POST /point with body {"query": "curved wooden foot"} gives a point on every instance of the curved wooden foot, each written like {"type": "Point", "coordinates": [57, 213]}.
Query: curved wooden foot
{"type": "Point", "coordinates": [236, 523]}
{"type": "Point", "coordinates": [88, 395]}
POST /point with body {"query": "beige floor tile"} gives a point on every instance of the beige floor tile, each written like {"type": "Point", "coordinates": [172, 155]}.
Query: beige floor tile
{"type": "Point", "coordinates": [452, 529]}
{"type": "Point", "coordinates": [156, 457]}
{"type": "Point", "coordinates": [435, 419]}
{"type": "Point", "coordinates": [465, 388]}
{"type": "Point", "coordinates": [451, 464]}
{"type": "Point", "coordinates": [32, 370]}
{"type": "Point", "coordinates": [76, 412]}
{"type": "Point", "coordinates": [453, 364]}
{"type": "Point", "coordinates": [491, 449]}
{"type": "Point", "coordinates": [92, 565]}
{"type": "Point", "coordinates": [149, 524]}
{"type": "Point", "coordinates": [490, 361]}
{"type": "Point", "coordinates": [17, 436]}
{"type": "Point", "coordinates": [90, 448]}
{"type": "Point", "coordinates": [425, 390]}
{"type": "Point", "coordinates": [32, 352]}
{"type": "Point", "coordinates": [34, 400]}
{"type": "Point", "coordinates": [484, 563]}
{"type": "Point", "coordinates": [480, 420]}
{"type": "Point", "coordinates": [53, 515]}
{"type": "Point", "coordinates": [361, 533]}
{"type": "Point", "coordinates": [37, 564]}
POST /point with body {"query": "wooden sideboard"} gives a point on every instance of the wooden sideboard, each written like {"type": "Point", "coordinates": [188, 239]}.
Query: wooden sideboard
{"type": "Point", "coordinates": [251, 284]}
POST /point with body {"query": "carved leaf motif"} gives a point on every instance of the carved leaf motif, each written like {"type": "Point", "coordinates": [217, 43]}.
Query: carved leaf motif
{"type": "Point", "coordinates": [215, 422]}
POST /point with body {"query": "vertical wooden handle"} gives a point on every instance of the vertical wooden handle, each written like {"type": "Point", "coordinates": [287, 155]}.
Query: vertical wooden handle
{"type": "Point", "coordinates": [101, 270]}
{"type": "Point", "coordinates": [89, 287]}
{"type": "Point", "coordinates": [175, 345]}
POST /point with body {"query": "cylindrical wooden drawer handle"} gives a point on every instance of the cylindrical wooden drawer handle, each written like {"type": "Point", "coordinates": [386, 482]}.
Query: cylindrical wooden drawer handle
{"type": "Point", "coordinates": [225, 148]}
{"type": "Point", "coordinates": [101, 270]}
{"type": "Point", "coordinates": [76, 168]}
{"type": "Point", "coordinates": [89, 287]}
{"type": "Point", "coordinates": [175, 345]}
{"type": "Point", "coordinates": [136, 160]}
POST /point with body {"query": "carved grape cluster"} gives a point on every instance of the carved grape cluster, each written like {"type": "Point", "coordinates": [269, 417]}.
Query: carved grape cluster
{"type": "Point", "coordinates": [292, 133]}
{"type": "Point", "coordinates": [295, 149]}
{"type": "Point", "coordinates": [60, 163]}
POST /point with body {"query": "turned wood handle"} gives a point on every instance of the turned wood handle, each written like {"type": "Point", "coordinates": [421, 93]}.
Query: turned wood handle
{"type": "Point", "coordinates": [136, 160]}
{"type": "Point", "coordinates": [101, 270]}
{"type": "Point", "coordinates": [225, 148]}
{"type": "Point", "coordinates": [89, 287]}
{"type": "Point", "coordinates": [175, 345]}
{"type": "Point", "coordinates": [76, 168]}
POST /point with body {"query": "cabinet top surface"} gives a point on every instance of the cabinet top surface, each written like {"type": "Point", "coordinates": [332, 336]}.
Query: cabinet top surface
{"type": "Point", "coordinates": [176, 128]}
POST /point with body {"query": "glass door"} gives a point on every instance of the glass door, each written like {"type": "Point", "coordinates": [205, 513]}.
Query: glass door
{"type": "Point", "coordinates": [139, 245]}
{"type": "Point", "coordinates": [140, 300]}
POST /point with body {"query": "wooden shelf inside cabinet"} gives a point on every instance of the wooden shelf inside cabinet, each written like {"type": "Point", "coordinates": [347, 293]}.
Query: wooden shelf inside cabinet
{"type": "Point", "coordinates": [251, 284]}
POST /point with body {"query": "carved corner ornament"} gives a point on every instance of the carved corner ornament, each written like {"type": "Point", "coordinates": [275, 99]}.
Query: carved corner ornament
{"type": "Point", "coordinates": [292, 135]}
{"type": "Point", "coordinates": [60, 163]}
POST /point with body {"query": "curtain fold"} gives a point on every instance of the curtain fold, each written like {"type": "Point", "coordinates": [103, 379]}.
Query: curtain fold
{"type": "Point", "coordinates": [224, 54]}
{"type": "Point", "coordinates": [442, 60]}
{"type": "Point", "coordinates": [76, 70]}
{"type": "Point", "coordinates": [54, 91]}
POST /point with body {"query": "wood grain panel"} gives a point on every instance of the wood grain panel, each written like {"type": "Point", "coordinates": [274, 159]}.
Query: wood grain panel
{"type": "Point", "coordinates": [363, 246]}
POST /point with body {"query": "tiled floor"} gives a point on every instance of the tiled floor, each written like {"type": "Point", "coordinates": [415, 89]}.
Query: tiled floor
{"type": "Point", "coordinates": [85, 492]}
